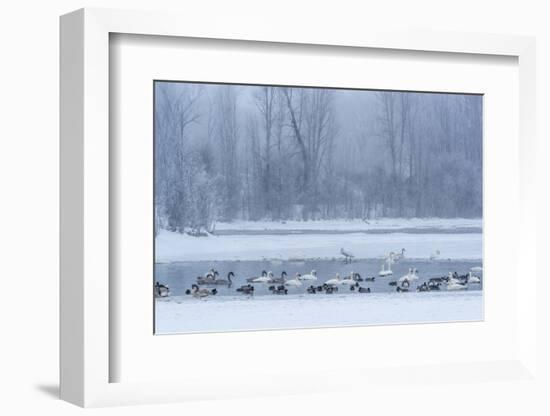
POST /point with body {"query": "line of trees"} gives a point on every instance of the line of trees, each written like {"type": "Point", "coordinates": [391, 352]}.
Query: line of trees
{"type": "Point", "coordinates": [225, 152]}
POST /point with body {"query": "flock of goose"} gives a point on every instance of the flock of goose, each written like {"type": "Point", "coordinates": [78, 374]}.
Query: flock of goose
{"type": "Point", "coordinates": [279, 285]}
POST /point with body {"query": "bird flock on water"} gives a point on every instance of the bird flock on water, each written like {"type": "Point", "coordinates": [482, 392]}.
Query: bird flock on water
{"type": "Point", "coordinates": [280, 285]}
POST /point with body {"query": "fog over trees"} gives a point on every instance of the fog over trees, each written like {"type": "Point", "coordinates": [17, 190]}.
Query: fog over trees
{"type": "Point", "coordinates": [232, 152]}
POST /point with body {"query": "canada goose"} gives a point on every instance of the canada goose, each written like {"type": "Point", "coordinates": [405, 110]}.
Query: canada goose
{"type": "Point", "coordinates": [363, 289]}
{"type": "Point", "coordinates": [161, 291]}
{"type": "Point", "coordinates": [336, 281]}
{"type": "Point", "coordinates": [435, 255]}
{"type": "Point", "coordinates": [311, 276]}
{"type": "Point", "coordinates": [473, 279]}
{"type": "Point", "coordinates": [281, 279]}
{"type": "Point", "coordinates": [294, 282]}
{"type": "Point", "coordinates": [348, 256]}
{"type": "Point", "coordinates": [227, 281]}
{"type": "Point", "coordinates": [251, 279]}
{"type": "Point", "coordinates": [200, 293]}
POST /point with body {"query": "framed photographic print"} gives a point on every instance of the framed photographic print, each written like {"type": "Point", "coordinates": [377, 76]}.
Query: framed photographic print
{"type": "Point", "coordinates": [295, 207]}
{"type": "Point", "coordinates": [248, 207]}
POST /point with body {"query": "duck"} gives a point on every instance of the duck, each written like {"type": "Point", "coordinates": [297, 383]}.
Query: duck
{"type": "Point", "coordinates": [310, 276]}
{"type": "Point", "coordinates": [435, 255]}
{"type": "Point", "coordinates": [392, 283]}
{"type": "Point", "coordinates": [473, 279]}
{"type": "Point", "coordinates": [348, 256]}
{"type": "Point", "coordinates": [312, 289]}
{"type": "Point", "coordinates": [363, 289]}
{"type": "Point", "coordinates": [335, 281]}
{"type": "Point", "coordinates": [251, 279]}
{"type": "Point", "coordinates": [280, 290]}
{"type": "Point", "coordinates": [294, 282]}
{"type": "Point", "coordinates": [246, 289]}
{"type": "Point", "coordinates": [423, 288]}
{"type": "Point", "coordinates": [370, 279]}
{"type": "Point", "coordinates": [161, 291]}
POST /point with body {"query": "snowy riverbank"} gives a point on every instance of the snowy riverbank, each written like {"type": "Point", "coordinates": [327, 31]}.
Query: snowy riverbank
{"type": "Point", "coordinates": [172, 247]}
{"type": "Point", "coordinates": [185, 314]}
{"type": "Point", "coordinates": [389, 224]}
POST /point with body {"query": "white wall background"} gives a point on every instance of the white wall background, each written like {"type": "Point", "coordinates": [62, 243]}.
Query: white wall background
{"type": "Point", "coordinates": [29, 189]}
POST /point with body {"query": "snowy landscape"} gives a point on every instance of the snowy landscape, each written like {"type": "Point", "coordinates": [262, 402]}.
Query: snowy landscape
{"type": "Point", "coordinates": [279, 208]}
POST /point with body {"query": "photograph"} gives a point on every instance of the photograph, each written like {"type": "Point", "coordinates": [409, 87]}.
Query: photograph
{"type": "Point", "coordinates": [295, 207]}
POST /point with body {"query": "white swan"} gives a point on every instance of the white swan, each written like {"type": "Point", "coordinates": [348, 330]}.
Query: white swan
{"type": "Point", "coordinates": [399, 255]}
{"type": "Point", "coordinates": [349, 280]}
{"type": "Point", "coordinates": [311, 276]}
{"type": "Point", "coordinates": [435, 255]}
{"type": "Point", "coordinates": [473, 279]}
{"type": "Point", "coordinates": [453, 280]}
{"type": "Point", "coordinates": [295, 281]}
{"type": "Point", "coordinates": [456, 286]}
{"type": "Point", "coordinates": [335, 281]}
{"type": "Point", "coordinates": [385, 272]}
{"type": "Point", "coordinates": [264, 279]}
{"type": "Point", "coordinates": [408, 277]}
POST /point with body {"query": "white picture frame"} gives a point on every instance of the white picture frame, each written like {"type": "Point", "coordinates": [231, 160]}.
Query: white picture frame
{"type": "Point", "coordinates": [86, 263]}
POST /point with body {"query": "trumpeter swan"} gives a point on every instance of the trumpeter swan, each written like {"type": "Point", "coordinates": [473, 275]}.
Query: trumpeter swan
{"type": "Point", "coordinates": [335, 281]}
{"type": "Point", "coordinates": [294, 282]}
{"type": "Point", "coordinates": [311, 276]}
{"type": "Point", "coordinates": [385, 272]}
{"type": "Point", "coordinates": [435, 255]}
{"type": "Point", "coordinates": [473, 279]}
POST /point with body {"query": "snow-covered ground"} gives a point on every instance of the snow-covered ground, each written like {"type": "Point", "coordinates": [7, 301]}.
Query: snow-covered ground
{"type": "Point", "coordinates": [185, 314]}
{"type": "Point", "coordinates": [393, 224]}
{"type": "Point", "coordinates": [179, 247]}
